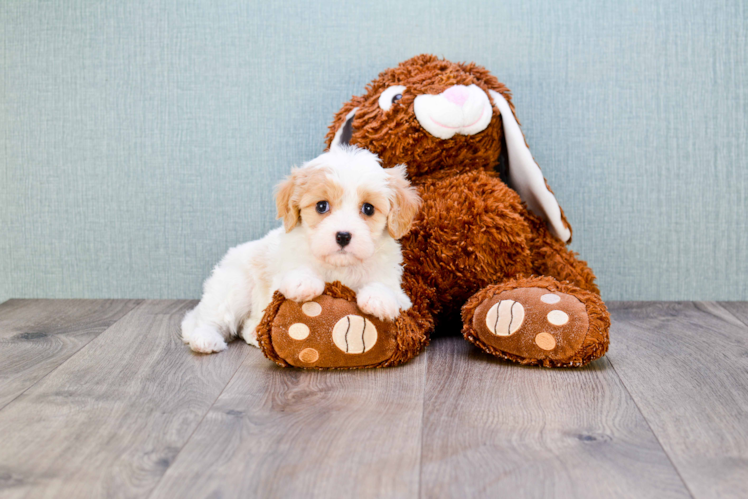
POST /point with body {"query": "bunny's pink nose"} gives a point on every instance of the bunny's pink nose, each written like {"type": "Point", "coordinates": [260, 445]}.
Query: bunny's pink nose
{"type": "Point", "coordinates": [457, 94]}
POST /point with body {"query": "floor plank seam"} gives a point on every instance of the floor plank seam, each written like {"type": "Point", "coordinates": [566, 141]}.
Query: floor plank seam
{"type": "Point", "coordinates": [649, 426]}
{"type": "Point", "coordinates": [74, 354]}
{"type": "Point", "coordinates": [174, 460]}
{"type": "Point", "coordinates": [719, 304]}
{"type": "Point", "coordinates": [423, 416]}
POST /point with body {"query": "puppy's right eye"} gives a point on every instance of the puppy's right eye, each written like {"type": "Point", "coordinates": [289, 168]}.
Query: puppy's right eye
{"type": "Point", "coordinates": [322, 207]}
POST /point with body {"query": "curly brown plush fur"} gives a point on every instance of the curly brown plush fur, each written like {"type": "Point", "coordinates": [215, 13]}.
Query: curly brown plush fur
{"type": "Point", "coordinates": [474, 234]}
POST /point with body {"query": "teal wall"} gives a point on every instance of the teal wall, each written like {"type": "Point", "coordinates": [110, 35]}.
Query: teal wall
{"type": "Point", "coordinates": [141, 139]}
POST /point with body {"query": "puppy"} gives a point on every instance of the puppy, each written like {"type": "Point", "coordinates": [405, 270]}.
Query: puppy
{"type": "Point", "coordinates": [342, 214]}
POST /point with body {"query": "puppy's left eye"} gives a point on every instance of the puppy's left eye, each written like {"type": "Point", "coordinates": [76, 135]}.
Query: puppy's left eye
{"type": "Point", "coordinates": [322, 207]}
{"type": "Point", "coordinates": [367, 209]}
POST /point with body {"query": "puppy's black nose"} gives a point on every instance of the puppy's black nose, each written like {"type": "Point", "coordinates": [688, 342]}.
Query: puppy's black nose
{"type": "Point", "coordinates": [343, 238]}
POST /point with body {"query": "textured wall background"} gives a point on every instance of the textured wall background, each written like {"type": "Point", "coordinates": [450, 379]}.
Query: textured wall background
{"type": "Point", "coordinates": [142, 139]}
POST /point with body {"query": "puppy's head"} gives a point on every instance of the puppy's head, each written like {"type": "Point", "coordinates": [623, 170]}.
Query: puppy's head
{"type": "Point", "coordinates": [346, 203]}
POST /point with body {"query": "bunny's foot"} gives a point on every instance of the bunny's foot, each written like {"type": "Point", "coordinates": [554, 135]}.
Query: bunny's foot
{"type": "Point", "coordinates": [538, 321]}
{"type": "Point", "coordinates": [330, 331]}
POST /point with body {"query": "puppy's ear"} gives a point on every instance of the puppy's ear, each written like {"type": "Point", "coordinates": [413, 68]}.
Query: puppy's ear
{"type": "Point", "coordinates": [288, 208]}
{"type": "Point", "coordinates": [404, 204]}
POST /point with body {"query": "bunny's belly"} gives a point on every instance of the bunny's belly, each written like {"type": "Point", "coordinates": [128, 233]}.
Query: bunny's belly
{"type": "Point", "coordinates": [472, 231]}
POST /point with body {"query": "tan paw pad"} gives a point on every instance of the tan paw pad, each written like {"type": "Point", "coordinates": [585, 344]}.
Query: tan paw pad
{"type": "Point", "coordinates": [550, 298]}
{"type": "Point", "coordinates": [545, 341]}
{"type": "Point", "coordinates": [558, 318]}
{"type": "Point", "coordinates": [311, 309]}
{"type": "Point", "coordinates": [354, 334]}
{"type": "Point", "coordinates": [505, 317]}
{"type": "Point", "coordinates": [298, 331]}
{"type": "Point", "coordinates": [309, 355]}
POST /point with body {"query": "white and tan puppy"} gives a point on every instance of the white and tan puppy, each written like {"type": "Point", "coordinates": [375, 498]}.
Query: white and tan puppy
{"type": "Point", "coordinates": [342, 213]}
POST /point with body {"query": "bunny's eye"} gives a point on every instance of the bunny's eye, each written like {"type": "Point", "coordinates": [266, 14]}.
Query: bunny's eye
{"type": "Point", "coordinates": [391, 96]}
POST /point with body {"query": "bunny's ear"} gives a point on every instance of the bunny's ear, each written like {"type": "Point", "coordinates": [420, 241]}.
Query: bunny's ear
{"type": "Point", "coordinates": [525, 176]}
{"type": "Point", "coordinates": [345, 132]}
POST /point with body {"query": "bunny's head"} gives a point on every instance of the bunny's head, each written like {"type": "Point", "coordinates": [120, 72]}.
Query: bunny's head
{"type": "Point", "coordinates": [434, 115]}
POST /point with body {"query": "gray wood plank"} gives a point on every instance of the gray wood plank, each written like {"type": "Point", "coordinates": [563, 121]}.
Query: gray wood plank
{"type": "Point", "coordinates": [37, 336]}
{"type": "Point", "coordinates": [109, 421]}
{"type": "Point", "coordinates": [278, 432]}
{"type": "Point", "coordinates": [497, 429]}
{"type": "Point", "coordinates": [686, 365]}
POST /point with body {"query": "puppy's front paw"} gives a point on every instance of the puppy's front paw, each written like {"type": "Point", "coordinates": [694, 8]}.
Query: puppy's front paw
{"type": "Point", "coordinates": [302, 287]}
{"type": "Point", "coordinates": [379, 301]}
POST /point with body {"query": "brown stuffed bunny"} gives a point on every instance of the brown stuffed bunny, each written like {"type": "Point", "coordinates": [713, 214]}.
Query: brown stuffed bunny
{"type": "Point", "coordinates": [489, 241]}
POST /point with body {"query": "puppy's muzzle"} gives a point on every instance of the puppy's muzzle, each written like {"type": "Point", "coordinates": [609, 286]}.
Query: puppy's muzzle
{"type": "Point", "coordinates": [343, 238]}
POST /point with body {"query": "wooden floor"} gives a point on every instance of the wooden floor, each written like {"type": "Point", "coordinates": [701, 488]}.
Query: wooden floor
{"type": "Point", "coordinates": [101, 398]}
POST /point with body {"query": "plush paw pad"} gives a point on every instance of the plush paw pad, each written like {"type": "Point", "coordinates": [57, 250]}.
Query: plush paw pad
{"type": "Point", "coordinates": [505, 317]}
{"type": "Point", "coordinates": [354, 334]}
{"type": "Point", "coordinates": [330, 332]}
{"type": "Point", "coordinates": [532, 323]}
